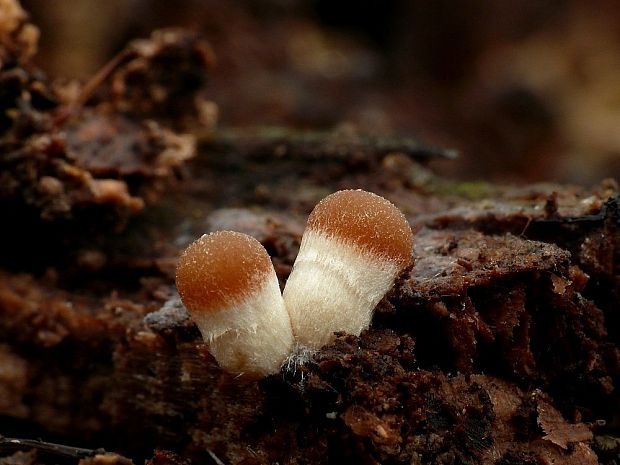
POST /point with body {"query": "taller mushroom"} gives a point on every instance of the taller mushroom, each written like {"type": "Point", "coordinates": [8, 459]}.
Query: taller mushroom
{"type": "Point", "coordinates": [354, 246]}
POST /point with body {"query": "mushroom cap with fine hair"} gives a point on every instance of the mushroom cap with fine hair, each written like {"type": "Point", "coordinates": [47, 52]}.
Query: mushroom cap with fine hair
{"type": "Point", "coordinates": [367, 221]}
{"type": "Point", "coordinates": [221, 269]}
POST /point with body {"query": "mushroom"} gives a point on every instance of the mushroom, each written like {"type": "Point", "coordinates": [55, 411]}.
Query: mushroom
{"type": "Point", "coordinates": [228, 284]}
{"type": "Point", "coordinates": [354, 246]}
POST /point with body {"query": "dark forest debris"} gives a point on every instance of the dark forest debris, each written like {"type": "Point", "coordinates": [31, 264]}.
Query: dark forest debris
{"type": "Point", "coordinates": [164, 457]}
{"type": "Point", "coordinates": [163, 77]}
{"type": "Point", "coordinates": [20, 458]}
{"type": "Point", "coordinates": [60, 159]}
{"type": "Point", "coordinates": [18, 37]}
{"type": "Point", "coordinates": [558, 431]}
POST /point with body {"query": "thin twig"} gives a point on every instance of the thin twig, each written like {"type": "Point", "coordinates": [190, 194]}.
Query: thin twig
{"type": "Point", "coordinates": [93, 84]}
{"type": "Point", "coordinates": [48, 447]}
{"type": "Point", "coordinates": [214, 457]}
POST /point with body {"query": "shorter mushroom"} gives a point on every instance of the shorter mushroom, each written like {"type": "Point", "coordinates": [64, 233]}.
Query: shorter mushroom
{"type": "Point", "coordinates": [354, 246]}
{"type": "Point", "coordinates": [228, 284]}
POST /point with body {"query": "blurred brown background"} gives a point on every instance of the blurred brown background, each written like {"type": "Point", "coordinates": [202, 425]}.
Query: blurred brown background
{"type": "Point", "coordinates": [526, 90]}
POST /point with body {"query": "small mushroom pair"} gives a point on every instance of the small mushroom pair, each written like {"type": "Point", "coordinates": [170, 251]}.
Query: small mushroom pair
{"type": "Point", "coordinates": [354, 246]}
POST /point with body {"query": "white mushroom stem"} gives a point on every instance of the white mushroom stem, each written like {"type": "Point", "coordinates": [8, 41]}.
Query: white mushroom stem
{"type": "Point", "coordinates": [255, 338]}
{"type": "Point", "coordinates": [333, 287]}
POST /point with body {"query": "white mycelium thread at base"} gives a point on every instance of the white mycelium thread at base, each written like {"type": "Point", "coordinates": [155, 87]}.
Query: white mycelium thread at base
{"type": "Point", "coordinates": [228, 285]}
{"type": "Point", "coordinates": [353, 248]}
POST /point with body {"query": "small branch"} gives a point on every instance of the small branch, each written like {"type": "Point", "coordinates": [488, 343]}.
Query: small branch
{"type": "Point", "coordinates": [48, 448]}
{"type": "Point", "coordinates": [334, 145]}
{"type": "Point", "coordinates": [92, 85]}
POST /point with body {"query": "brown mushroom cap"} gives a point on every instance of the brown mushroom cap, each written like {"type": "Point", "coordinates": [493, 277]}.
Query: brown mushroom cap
{"type": "Point", "coordinates": [220, 269]}
{"type": "Point", "coordinates": [365, 220]}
